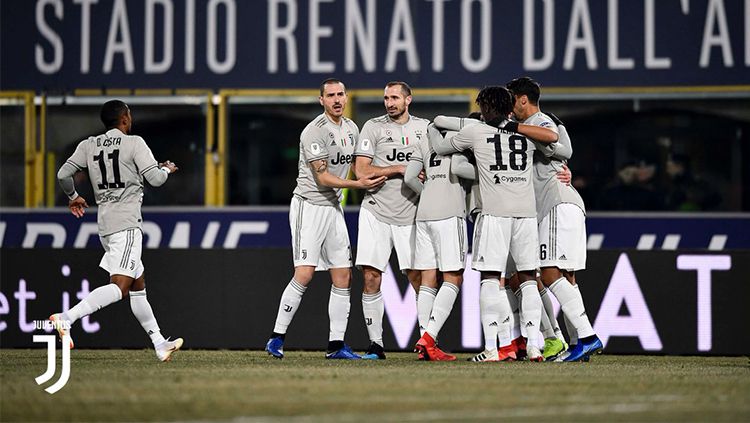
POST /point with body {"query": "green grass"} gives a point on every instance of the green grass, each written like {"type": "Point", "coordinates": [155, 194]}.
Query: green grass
{"type": "Point", "coordinates": [117, 385]}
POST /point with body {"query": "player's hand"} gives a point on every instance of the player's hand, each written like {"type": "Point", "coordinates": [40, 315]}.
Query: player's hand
{"type": "Point", "coordinates": [555, 119]}
{"type": "Point", "coordinates": [78, 206]}
{"type": "Point", "coordinates": [565, 175]}
{"type": "Point", "coordinates": [371, 182]}
{"type": "Point", "coordinates": [511, 126]}
{"type": "Point", "coordinates": [169, 165]}
{"type": "Point", "coordinates": [422, 176]}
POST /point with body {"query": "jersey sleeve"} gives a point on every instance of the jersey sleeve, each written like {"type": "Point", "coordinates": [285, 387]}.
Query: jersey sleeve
{"type": "Point", "coordinates": [462, 140]}
{"type": "Point", "coordinates": [143, 157]}
{"type": "Point", "coordinates": [423, 150]}
{"type": "Point", "coordinates": [314, 145]}
{"type": "Point", "coordinates": [78, 159]}
{"type": "Point", "coordinates": [367, 141]}
{"type": "Point", "coordinates": [544, 121]}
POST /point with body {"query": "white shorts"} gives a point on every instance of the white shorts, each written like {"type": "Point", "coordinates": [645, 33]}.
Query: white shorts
{"type": "Point", "coordinates": [562, 238]}
{"type": "Point", "coordinates": [319, 235]}
{"type": "Point", "coordinates": [122, 253]}
{"type": "Point", "coordinates": [441, 244]}
{"type": "Point", "coordinates": [497, 237]}
{"type": "Point", "coordinates": [376, 239]}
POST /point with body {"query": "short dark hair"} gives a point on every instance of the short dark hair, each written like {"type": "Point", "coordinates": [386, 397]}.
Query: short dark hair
{"type": "Point", "coordinates": [111, 113]}
{"type": "Point", "coordinates": [405, 88]}
{"type": "Point", "coordinates": [496, 98]}
{"type": "Point", "coordinates": [330, 81]}
{"type": "Point", "coordinates": [525, 86]}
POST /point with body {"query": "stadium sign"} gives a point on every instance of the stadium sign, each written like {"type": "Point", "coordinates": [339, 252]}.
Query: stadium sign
{"type": "Point", "coordinates": [68, 44]}
{"type": "Point", "coordinates": [236, 227]}
{"type": "Point", "coordinates": [666, 302]}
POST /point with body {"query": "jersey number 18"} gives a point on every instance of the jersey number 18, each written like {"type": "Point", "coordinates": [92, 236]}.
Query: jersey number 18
{"type": "Point", "coordinates": [517, 146]}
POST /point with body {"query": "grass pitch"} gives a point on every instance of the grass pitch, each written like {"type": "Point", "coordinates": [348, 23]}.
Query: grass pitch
{"type": "Point", "coordinates": [127, 385]}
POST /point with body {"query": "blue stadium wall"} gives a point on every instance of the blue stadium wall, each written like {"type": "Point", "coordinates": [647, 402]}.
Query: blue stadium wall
{"type": "Point", "coordinates": [665, 285]}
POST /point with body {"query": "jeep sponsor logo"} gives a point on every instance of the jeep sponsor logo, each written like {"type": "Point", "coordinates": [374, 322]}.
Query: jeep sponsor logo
{"type": "Point", "coordinates": [398, 156]}
{"type": "Point", "coordinates": [341, 159]}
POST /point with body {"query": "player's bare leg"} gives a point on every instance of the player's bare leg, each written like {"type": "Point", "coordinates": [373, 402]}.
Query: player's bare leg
{"type": "Point", "coordinates": [288, 305]}
{"type": "Point", "coordinates": [571, 303]}
{"type": "Point", "coordinates": [373, 310]}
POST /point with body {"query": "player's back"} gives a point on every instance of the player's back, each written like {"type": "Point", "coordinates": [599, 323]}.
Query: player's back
{"type": "Point", "coordinates": [443, 195]}
{"type": "Point", "coordinates": [116, 163]}
{"type": "Point", "coordinates": [504, 166]}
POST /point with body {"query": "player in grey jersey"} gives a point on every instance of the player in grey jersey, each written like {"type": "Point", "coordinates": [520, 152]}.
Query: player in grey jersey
{"type": "Point", "coordinates": [507, 224]}
{"type": "Point", "coordinates": [320, 240]}
{"type": "Point", "coordinates": [386, 217]}
{"type": "Point", "coordinates": [441, 238]}
{"type": "Point", "coordinates": [116, 163]}
{"type": "Point", "coordinates": [562, 230]}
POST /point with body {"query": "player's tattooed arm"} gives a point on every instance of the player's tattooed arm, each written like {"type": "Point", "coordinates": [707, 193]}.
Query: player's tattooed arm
{"type": "Point", "coordinates": [324, 178]}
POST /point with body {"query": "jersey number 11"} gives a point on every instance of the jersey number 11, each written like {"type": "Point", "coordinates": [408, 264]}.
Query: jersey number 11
{"type": "Point", "coordinates": [115, 157]}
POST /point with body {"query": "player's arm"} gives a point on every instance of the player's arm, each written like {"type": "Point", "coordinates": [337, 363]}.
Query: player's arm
{"type": "Point", "coordinates": [563, 148]}
{"type": "Point", "coordinates": [452, 143]}
{"type": "Point", "coordinates": [363, 166]}
{"type": "Point", "coordinates": [75, 163]}
{"type": "Point", "coordinates": [324, 178]}
{"type": "Point", "coordinates": [461, 167]}
{"type": "Point", "coordinates": [537, 133]}
{"type": "Point", "coordinates": [155, 173]}
{"type": "Point", "coordinates": [411, 176]}
{"type": "Point", "coordinates": [452, 123]}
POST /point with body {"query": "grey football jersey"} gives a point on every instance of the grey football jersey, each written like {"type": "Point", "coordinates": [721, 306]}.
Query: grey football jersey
{"type": "Point", "coordinates": [116, 164]}
{"type": "Point", "coordinates": [549, 191]}
{"type": "Point", "coordinates": [504, 167]}
{"type": "Point", "coordinates": [389, 144]}
{"type": "Point", "coordinates": [323, 139]}
{"type": "Point", "coordinates": [443, 195]}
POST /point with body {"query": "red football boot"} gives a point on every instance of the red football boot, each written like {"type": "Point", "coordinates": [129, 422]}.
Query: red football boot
{"type": "Point", "coordinates": [507, 353]}
{"type": "Point", "coordinates": [520, 346]}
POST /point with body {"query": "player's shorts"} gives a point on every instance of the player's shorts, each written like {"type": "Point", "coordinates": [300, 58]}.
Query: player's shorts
{"type": "Point", "coordinates": [441, 244]}
{"type": "Point", "coordinates": [122, 253]}
{"type": "Point", "coordinates": [376, 239]}
{"type": "Point", "coordinates": [319, 235]}
{"type": "Point", "coordinates": [562, 238]}
{"type": "Point", "coordinates": [497, 237]}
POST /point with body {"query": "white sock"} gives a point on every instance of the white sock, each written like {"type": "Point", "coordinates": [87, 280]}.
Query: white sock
{"type": "Point", "coordinates": [425, 301]}
{"type": "Point", "coordinates": [531, 311]}
{"type": "Point", "coordinates": [442, 307]}
{"type": "Point", "coordinates": [572, 334]}
{"type": "Point", "coordinates": [572, 306]}
{"type": "Point", "coordinates": [142, 311]}
{"type": "Point", "coordinates": [338, 312]}
{"type": "Point", "coordinates": [519, 313]}
{"type": "Point", "coordinates": [550, 310]}
{"type": "Point", "coordinates": [504, 320]}
{"type": "Point", "coordinates": [373, 309]}
{"type": "Point", "coordinates": [98, 298]}
{"type": "Point", "coordinates": [515, 325]}
{"type": "Point", "coordinates": [489, 311]}
{"type": "Point", "coordinates": [288, 305]}
{"type": "Point", "coordinates": [544, 325]}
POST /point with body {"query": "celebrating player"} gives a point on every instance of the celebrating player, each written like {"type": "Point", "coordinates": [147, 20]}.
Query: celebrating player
{"type": "Point", "coordinates": [320, 240]}
{"type": "Point", "coordinates": [441, 236]}
{"type": "Point", "coordinates": [386, 218]}
{"type": "Point", "coordinates": [507, 223]}
{"type": "Point", "coordinates": [117, 163]}
{"type": "Point", "coordinates": [562, 224]}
